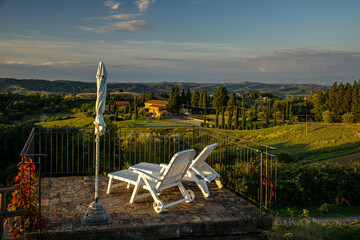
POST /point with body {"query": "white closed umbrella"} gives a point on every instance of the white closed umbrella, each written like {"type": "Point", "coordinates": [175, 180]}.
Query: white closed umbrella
{"type": "Point", "coordinates": [100, 126]}
{"type": "Point", "coordinates": [96, 213]}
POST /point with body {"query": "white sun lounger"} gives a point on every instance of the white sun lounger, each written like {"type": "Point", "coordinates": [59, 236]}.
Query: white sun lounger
{"type": "Point", "coordinates": [171, 176]}
{"type": "Point", "coordinates": [199, 171]}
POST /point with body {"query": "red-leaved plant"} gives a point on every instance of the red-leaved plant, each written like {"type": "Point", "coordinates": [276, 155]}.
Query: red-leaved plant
{"type": "Point", "coordinates": [24, 198]}
{"type": "Point", "coordinates": [266, 176]}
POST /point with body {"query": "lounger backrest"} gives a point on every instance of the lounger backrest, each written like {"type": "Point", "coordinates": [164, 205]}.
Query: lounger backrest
{"type": "Point", "coordinates": [203, 155]}
{"type": "Point", "coordinates": [177, 168]}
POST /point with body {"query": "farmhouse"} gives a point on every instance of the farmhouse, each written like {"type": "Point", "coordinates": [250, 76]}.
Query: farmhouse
{"type": "Point", "coordinates": [157, 108]}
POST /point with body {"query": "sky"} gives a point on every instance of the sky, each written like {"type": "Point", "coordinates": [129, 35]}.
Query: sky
{"type": "Point", "coordinates": [205, 41]}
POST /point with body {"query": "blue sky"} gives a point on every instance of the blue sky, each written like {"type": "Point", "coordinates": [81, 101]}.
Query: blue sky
{"type": "Point", "coordinates": [182, 40]}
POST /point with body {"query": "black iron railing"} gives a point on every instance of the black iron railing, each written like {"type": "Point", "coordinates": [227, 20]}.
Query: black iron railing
{"type": "Point", "coordinates": [245, 167]}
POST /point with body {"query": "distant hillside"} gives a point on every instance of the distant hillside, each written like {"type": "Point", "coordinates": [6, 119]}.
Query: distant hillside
{"type": "Point", "coordinates": [65, 86]}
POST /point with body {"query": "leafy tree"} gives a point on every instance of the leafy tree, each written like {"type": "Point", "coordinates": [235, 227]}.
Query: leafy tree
{"type": "Point", "coordinates": [150, 96]}
{"type": "Point", "coordinates": [319, 100]}
{"type": "Point", "coordinates": [220, 98]}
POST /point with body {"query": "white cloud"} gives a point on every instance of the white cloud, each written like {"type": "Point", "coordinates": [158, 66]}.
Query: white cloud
{"type": "Point", "coordinates": [126, 26]}
{"type": "Point", "coordinates": [112, 4]}
{"type": "Point", "coordinates": [16, 62]}
{"type": "Point", "coordinates": [143, 5]}
{"type": "Point", "coordinates": [117, 16]}
{"type": "Point", "coordinates": [49, 63]}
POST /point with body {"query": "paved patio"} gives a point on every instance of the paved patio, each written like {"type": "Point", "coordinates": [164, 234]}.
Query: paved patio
{"type": "Point", "coordinates": [222, 215]}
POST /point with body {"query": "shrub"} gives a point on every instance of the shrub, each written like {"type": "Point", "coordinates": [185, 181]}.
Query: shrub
{"type": "Point", "coordinates": [348, 118]}
{"type": "Point", "coordinates": [127, 116]}
{"type": "Point", "coordinates": [285, 158]}
{"type": "Point", "coordinates": [328, 117]}
{"type": "Point", "coordinates": [295, 119]}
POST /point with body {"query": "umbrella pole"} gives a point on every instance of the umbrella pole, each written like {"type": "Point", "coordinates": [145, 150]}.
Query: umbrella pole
{"type": "Point", "coordinates": [97, 168]}
{"type": "Point", "coordinates": [96, 213]}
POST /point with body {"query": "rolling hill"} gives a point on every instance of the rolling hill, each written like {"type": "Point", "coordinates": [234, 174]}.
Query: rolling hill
{"type": "Point", "coordinates": [66, 86]}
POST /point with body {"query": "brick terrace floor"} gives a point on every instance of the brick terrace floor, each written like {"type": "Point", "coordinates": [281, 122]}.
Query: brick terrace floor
{"type": "Point", "coordinates": [65, 199]}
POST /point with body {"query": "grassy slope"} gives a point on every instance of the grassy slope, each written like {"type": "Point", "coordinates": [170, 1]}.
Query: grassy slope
{"type": "Point", "coordinates": [320, 143]}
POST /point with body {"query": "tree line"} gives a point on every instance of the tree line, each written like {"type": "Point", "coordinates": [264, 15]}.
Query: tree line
{"type": "Point", "coordinates": [256, 109]}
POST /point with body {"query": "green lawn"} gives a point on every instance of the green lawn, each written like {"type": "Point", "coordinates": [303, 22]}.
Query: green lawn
{"type": "Point", "coordinates": [39, 116]}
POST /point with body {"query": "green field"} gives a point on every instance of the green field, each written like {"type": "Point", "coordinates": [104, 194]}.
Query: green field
{"type": "Point", "coordinates": [321, 142]}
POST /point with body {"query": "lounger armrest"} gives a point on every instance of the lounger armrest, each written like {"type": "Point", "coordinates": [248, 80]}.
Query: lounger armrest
{"type": "Point", "coordinates": [147, 175]}
{"type": "Point", "coordinates": [164, 167]}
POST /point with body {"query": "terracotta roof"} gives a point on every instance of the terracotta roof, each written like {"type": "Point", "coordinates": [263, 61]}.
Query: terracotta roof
{"type": "Point", "coordinates": [157, 102]}
{"type": "Point", "coordinates": [122, 102]}
{"type": "Point", "coordinates": [156, 105]}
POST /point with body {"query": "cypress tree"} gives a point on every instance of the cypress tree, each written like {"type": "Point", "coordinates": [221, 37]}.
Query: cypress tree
{"type": "Point", "coordinates": [290, 114]}
{"type": "Point", "coordinates": [183, 97]}
{"type": "Point", "coordinates": [174, 99]}
{"type": "Point", "coordinates": [255, 111]}
{"type": "Point", "coordinates": [340, 108]}
{"type": "Point", "coordinates": [243, 121]}
{"type": "Point", "coordinates": [347, 97]}
{"type": "Point", "coordinates": [333, 97]}
{"type": "Point", "coordinates": [188, 98]}
{"type": "Point", "coordinates": [267, 114]}
{"type": "Point", "coordinates": [355, 102]}
{"type": "Point", "coordinates": [201, 99]}
{"type": "Point", "coordinates": [274, 118]}
{"type": "Point", "coordinates": [115, 108]}
{"type": "Point", "coordinates": [217, 118]}
{"type": "Point", "coordinates": [116, 115]}
{"type": "Point", "coordinates": [236, 120]}
{"type": "Point", "coordinates": [223, 118]}
{"type": "Point", "coordinates": [230, 119]}
{"type": "Point", "coordinates": [195, 99]}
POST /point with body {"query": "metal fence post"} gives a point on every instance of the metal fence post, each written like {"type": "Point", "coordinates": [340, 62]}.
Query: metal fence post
{"type": "Point", "coordinates": [261, 179]}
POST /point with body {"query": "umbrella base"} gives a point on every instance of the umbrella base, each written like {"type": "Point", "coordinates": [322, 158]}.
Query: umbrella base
{"type": "Point", "coordinates": [95, 215]}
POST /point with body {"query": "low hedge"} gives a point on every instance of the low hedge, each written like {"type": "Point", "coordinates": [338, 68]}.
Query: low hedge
{"type": "Point", "coordinates": [313, 186]}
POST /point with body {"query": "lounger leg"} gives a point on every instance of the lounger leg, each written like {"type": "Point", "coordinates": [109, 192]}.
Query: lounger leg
{"type": "Point", "coordinates": [109, 185]}
{"type": "Point", "coordinates": [183, 191]}
{"type": "Point", "coordinates": [218, 182]}
{"type": "Point", "coordinates": [136, 189]}
{"type": "Point", "coordinates": [201, 184]}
